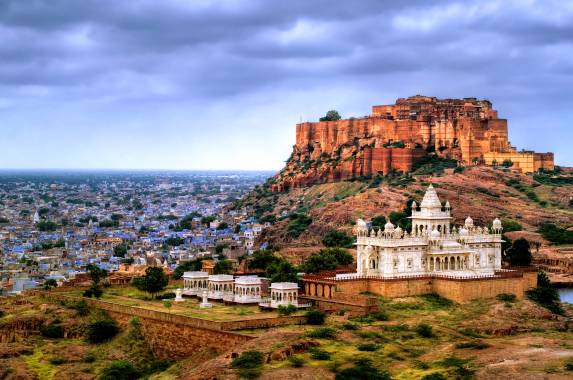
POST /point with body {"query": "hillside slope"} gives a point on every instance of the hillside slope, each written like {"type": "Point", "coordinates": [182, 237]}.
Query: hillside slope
{"type": "Point", "coordinates": [482, 192]}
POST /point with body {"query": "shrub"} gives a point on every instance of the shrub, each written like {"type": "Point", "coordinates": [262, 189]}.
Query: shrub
{"type": "Point", "coordinates": [476, 344]}
{"type": "Point", "coordinates": [318, 354]}
{"type": "Point", "coordinates": [93, 291]}
{"type": "Point", "coordinates": [545, 294]}
{"type": "Point", "coordinates": [166, 296]}
{"type": "Point", "coordinates": [326, 259]}
{"type": "Point", "coordinates": [89, 357]}
{"type": "Point", "coordinates": [349, 326]}
{"type": "Point", "coordinates": [337, 239]}
{"type": "Point", "coordinates": [322, 333]}
{"type": "Point", "coordinates": [363, 369]}
{"type": "Point", "coordinates": [81, 307]}
{"type": "Point", "coordinates": [298, 223]}
{"type": "Point", "coordinates": [57, 360]}
{"type": "Point", "coordinates": [119, 370]}
{"type": "Point", "coordinates": [424, 330]}
{"type": "Point", "coordinates": [569, 366]}
{"type": "Point", "coordinates": [510, 225]}
{"type": "Point", "coordinates": [380, 316]}
{"type": "Point", "coordinates": [102, 330]}
{"type": "Point", "coordinates": [54, 330]}
{"type": "Point", "coordinates": [520, 253]}
{"type": "Point", "coordinates": [506, 297]}
{"type": "Point", "coordinates": [315, 317]}
{"type": "Point", "coordinates": [248, 364]}
{"type": "Point", "coordinates": [287, 310]}
{"type": "Point", "coordinates": [368, 347]}
{"type": "Point", "coordinates": [296, 361]}
{"type": "Point", "coordinates": [555, 234]}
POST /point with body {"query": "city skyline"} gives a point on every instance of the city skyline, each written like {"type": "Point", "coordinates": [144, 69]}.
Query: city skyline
{"type": "Point", "coordinates": [220, 85]}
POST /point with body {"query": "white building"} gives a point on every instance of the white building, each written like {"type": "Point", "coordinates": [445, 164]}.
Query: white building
{"type": "Point", "coordinates": [432, 247]}
{"type": "Point", "coordinates": [247, 289]}
{"type": "Point", "coordinates": [220, 286]}
{"type": "Point", "coordinates": [194, 283]}
{"type": "Point", "coordinates": [283, 294]}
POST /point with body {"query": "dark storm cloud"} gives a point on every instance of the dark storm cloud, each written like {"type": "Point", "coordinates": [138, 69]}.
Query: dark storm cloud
{"type": "Point", "coordinates": [520, 53]}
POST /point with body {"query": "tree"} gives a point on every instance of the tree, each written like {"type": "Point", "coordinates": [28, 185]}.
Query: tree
{"type": "Point", "coordinates": [261, 259]}
{"type": "Point", "coordinates": [96, 273]}
{"type": "Point", "coordinates": [168, 304]}
{"type": "Point", "coordinates": [545, 294]}
{"type": "Point", "coordinates": [222, 226]}
{"type": "Point", "coordinates": [223, 267]}
{"type": "Point", "coordinates": [102, 330]}
{"type": "Point", "coordinates": [50, 283]}
{"type": "Point", "coordinates": [119, 370]}
{"type": "Point", "coordinates": [507, 163]}
{"type": "Point", "coordinates": [378, 222]}
{"type": "Point", "coordinates": [282, 271]}
{"type": "Point", "coordinates": [327, 259]}
{"type": "Point", "coordinates": [188, 266]}
{"type": "Point", "coordinates": [120, 250]}
{"type": "Point", "coordinates": [154, 281]}
{"type": "Point", "coordinates": [337, 239]}
{"type": "Point", "coordinates": [331, 115]}
{"type": "Point", "coordinates": [520, 253]}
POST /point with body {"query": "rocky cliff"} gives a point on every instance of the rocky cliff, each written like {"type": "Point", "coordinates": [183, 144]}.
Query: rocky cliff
{"type": "Point", "coordinates": [394, 138]}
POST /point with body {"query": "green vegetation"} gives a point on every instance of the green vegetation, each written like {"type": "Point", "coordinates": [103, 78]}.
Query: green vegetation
{"type": "Point", "coordinates": [511, 225]}
{"type": "Point", "coordinates": [322, 333]}
{"type": "Point", "coordinates": [102, 330]}
{"type": "Point", "coordinates": [223, 267]}
{"type": "Point", "coordinates": [318, 354]}
{"type": "Point", "coordinates": [315, 317]}
{"type": "Point", "coordinates": [119, 370]}
{"type": "Point", "coordinates": [519, 254]}
{"type": "Point", "coordinates": [154, 281]}
{"type": "Point", "coordinates": [378, 222]}
{"type": "Point", "coordinates": [331, 115]}
{"type": "Point", "coordinates": [433, 165]}
{"type": "Point", "coordinates": [474, 344]}
{"type": "Point", "coordinates": [545, 294]}
{"type": "Point", "coordinates": [298, 223]}
{"type": "Point", "coordinates": [506, 297]}
{"type": "Point", "coordinates": [368, 347]}
{"type": "Point", "coordinates": [326, 259]}
{"type": "Point", "coordinates": [96, 274]}
{"type": "Point", "coordinates": [287, 310]}
{"type": "Point", "coordinates": [337, 239]}
{"type": "Point", "coordinates": [50, 283]}
{"type": "Point", "coordinates": [46, 226]}
{"type": "Point", "coordinates": [120, 250]}
{"type": "Point", "coordinates": [174, 241]}
{"type": "Point", "coordinates": [53, 330]}
{"type": "Point", "coordinates": [188, 266]}
{"type": "Point", "coordinates": [248, 364]}
{"type": "Point", "coordinates": [556, 234]}
{"type": "Point", "coordinates": [362, 369]}
{"type": "Point", "coordinates": [424, 330]}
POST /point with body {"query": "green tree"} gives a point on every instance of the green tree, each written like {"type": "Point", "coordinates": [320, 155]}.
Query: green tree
{"type": "Point", "coordinates": [337, 239]}
{"type": "Point", "coordinates": [168, 304]}
{"type": "Point", "coordinates": [50, 283]}
{"type": "Point", "coordinates": [507, 163]}
{"type": "Point", "coordinates": [261, 259]}
{"type": "Point", "coordinates": [282, 271]}
{"type": "Point", "coordinates": [298, 223]}
{"type": "Point", "coordinates": [223, 267]}
{"type": "Point", "coordinates": [120, 250]}
{"type": "Point", "coordinates": [96, 273]}
{"type": "Point", "coordinates": [378, 222]}
{"type": "Point", "coordinates": [326, 259]}
{"type": "Point", "coordinates": [188, 266]}
{"type": "Point", "coordinates": [331, 115]}
{"type": "Point", "coordinates": [520, 253]}
{"type": "Point", "coordinates": [154, 281]}
{"type": "Point", "coordinates": [119, 370]}
{"type": "Point", "coordinates": [545, 294]}
{"type": "Point", "coordinates": [102, 330]}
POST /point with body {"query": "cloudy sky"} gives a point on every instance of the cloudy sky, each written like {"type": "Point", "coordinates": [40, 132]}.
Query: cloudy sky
{"type": "Point", "coordinates": [207, 84]}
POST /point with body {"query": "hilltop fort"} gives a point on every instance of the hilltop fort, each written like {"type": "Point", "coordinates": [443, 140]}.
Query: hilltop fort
{"type": "Point", "coordinates": [396, 137]}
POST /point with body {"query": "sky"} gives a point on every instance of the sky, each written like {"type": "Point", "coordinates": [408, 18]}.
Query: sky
{"type": "Point", "coordinates": [220, 84]}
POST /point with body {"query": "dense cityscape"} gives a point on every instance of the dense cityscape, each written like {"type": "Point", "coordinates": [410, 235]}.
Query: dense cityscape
{"type": "Point", "coordinates": [54, 224]}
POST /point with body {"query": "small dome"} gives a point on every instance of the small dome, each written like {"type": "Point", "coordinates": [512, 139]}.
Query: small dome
{"type": "Point", "coordinates": [361, 224]}
{"type": "Point", "coordinates": [497, 224]}
{"type": "Point", "coordinates": [463, 232]}
{"type": "Point", "coordinates": [389, 227]}
{"type": "Point", "coordinates": [414, 205]}
{"type": "Point", "coordinates": [469, 222]}
{"type": "Point", "coordinates": [435, 234]}
{"type": "Point", "coordinates": [448, 204]}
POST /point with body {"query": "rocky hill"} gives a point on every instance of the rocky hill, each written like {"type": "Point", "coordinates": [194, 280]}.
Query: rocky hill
{"type": "Point", "coordinates": [302, 216]}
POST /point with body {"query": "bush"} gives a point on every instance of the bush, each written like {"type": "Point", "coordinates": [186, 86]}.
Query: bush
{"type": "Point", "coordinates": [54, 330]}
{"type": "Point", "coordinates": [315, 317]}
{"type": "Point", "coordinates": [477, 345]}
{"type": "Point", "coordinates": [93, 291]}
{"type": "Point", "coordinates": [363, 369]}
{"type": "Point", "coordinates": [510, 225]}
{"type": "Point", "coordinates": [81, 307]}
{"type": "Point", "coordinates": [57, 360]}
{"type": "Point", "coordinates": [296, 361]}
{"type": "Point", "coordinates": [326, 259]}
{"type": "Point", "coordinates": [368, 347]}
{"type": "Point", "coordinates": [337, 239]}
{"type": "Point", "coordinates": [520, 253]}
{"type": "Point", "coordinates": [322, 333]}
{"type": "Point", "coordinates": [318, 354]}
{"type": "Point", "coordinates": [248, 360]}
{"type": "Point", "coordinates": [166, 296]}
{"type": "Point", "coordinates": [349, 326]}
{"type": "Point", "coordinates": [555, 234]}
{"type": "Point", "coordinates": [89, 357]}
{"type": "Point", "coordinates": [119, 370]}
{"type": "Point", "coordinates": [102, 330]}
{"type": "Point", "coordinates": [506, 297]}
{"type": "Point", "coordinates": [380, 316]}
{"type": "Point", "coordinates": [287, 310]}
{"type": "Point", "coordinates": [424, 330]}
{"type": "Point", "coordinates": [298, 223]}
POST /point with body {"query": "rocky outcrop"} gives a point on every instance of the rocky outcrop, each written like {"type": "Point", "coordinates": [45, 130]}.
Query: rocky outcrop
{"type": "Point", "coordinates": [394, 138]}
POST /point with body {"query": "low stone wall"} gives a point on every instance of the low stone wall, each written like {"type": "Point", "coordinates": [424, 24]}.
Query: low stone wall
{"type": "Point", "coordinates": [263, 323]}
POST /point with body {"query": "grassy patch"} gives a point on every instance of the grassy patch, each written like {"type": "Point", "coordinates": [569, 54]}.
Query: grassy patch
{"type": "Point", "coordinates": [37, 364]}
